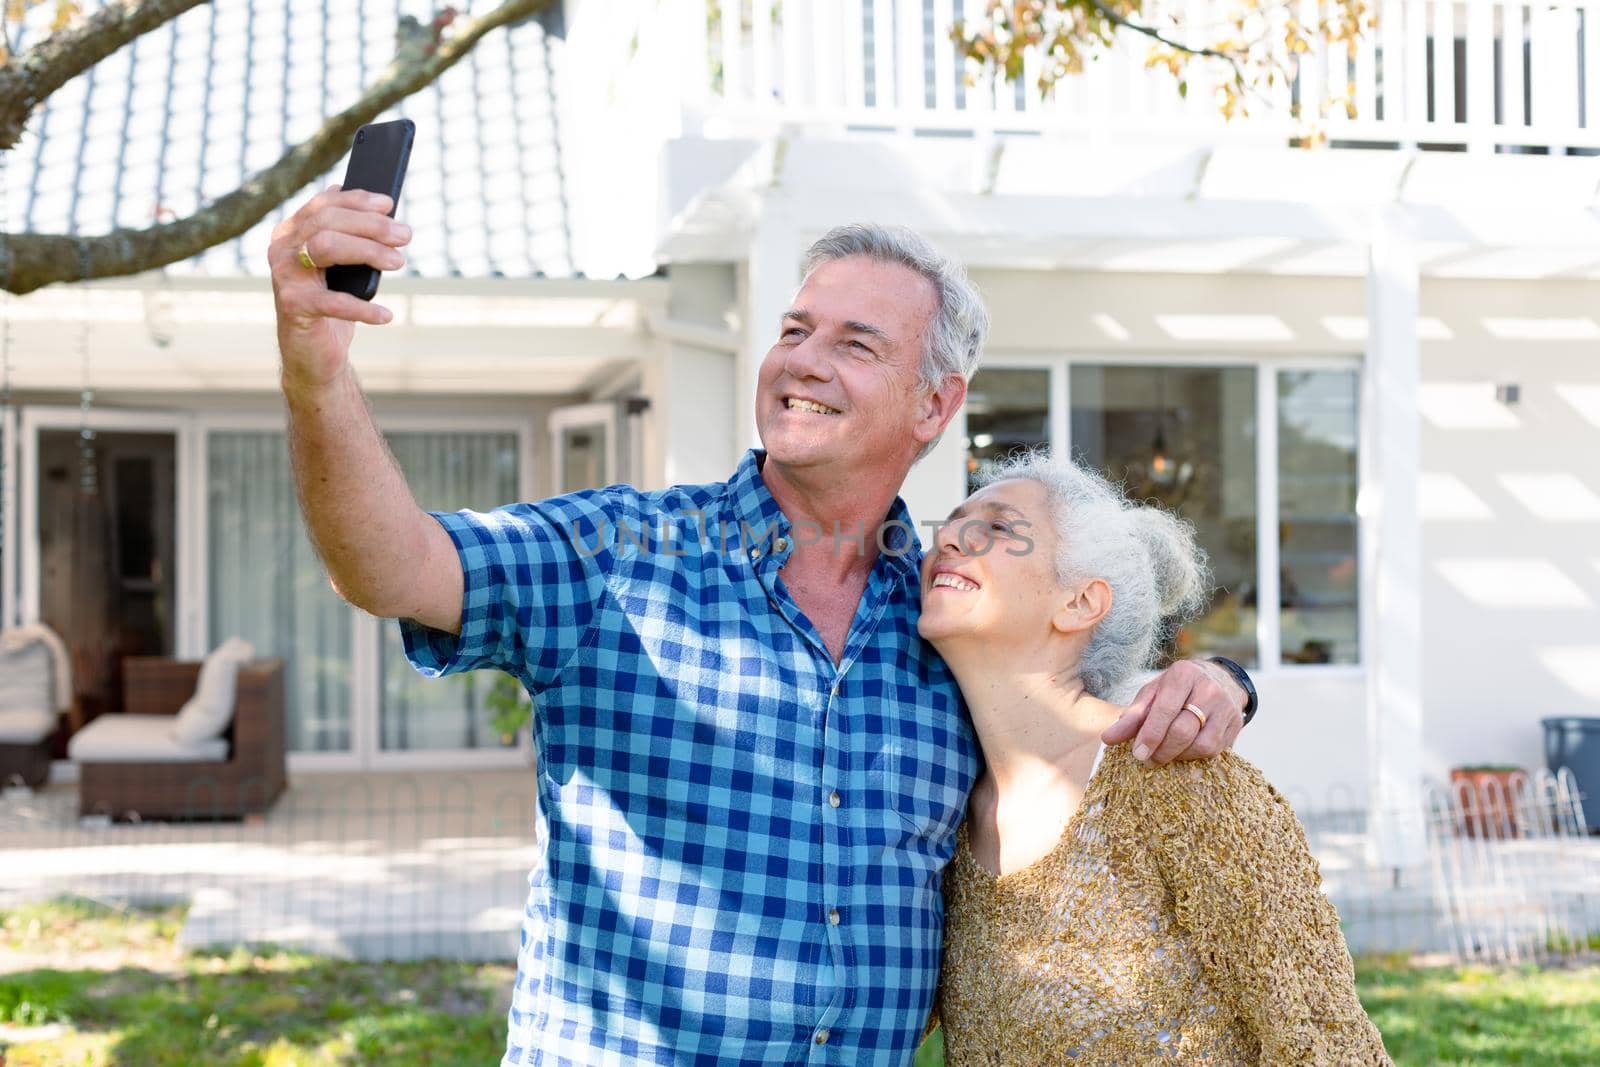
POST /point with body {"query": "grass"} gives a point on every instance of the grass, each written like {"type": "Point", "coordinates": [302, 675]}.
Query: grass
{"type": "Point", "coordinates": [1453, 1016]}
{"type": "Point", "coordinates": [84, 984]}
{"type": "Point", "coordinates": [1459, 1016]}
{"type": "Point", "coordinates": [145, 1002]}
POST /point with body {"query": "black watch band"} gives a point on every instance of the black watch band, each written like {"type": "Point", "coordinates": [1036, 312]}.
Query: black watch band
{"type": "Point", "coordinates": [1241, 676]}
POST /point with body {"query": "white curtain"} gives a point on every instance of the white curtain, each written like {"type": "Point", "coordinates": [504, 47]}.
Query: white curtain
{"type": "Point", "coordinates": [268, 586]}
{"type": "Point", "coordinates": [446, 472]}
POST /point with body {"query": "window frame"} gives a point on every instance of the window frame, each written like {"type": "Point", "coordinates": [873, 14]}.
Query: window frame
{"type": "Point", "coordinates": [1269, 634]}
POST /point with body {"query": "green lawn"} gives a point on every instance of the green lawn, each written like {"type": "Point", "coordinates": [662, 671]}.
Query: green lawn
{"type": "Point", "coordinates": [1451, 1016]}
{"type": "Point", "coordinates": [143, 1002]}
{"type": "Point", "coordinates": [1455, 1016]}
{"type": "Point", "coordinates": [81, 984]}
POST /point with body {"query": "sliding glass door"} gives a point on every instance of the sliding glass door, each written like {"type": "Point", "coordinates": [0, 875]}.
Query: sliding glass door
{"type": "Point", "coordinates": [446, 472]}
{"type": "Point", "coordinates": [267, 585]}
{"type": "Point", "coordinates": [353, 700]}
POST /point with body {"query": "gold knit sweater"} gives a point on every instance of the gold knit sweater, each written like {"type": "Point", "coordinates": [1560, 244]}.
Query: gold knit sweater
{"type": "Point", "coordinates": [1178, 918]}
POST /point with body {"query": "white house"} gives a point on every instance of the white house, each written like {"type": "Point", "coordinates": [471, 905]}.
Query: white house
{"type": "Point", "coordinates": [1368, 373]}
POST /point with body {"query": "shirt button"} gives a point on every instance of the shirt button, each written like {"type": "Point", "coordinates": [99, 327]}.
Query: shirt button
{"type": "Point", "coordinates": [780, 544]}
{"type": "Point", "coordinates": [822, 1037]}
{"type": "Point", "coordinates": [833, 799]}
{"type": "Point", "coordinates": [833, 916]}
{"type": "Point", "coordinates": [755, 553]}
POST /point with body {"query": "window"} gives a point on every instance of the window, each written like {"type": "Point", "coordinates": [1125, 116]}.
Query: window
{"type": "Point", "coordinates": [446, 472]}
{"type": "Point", "coordinates": [1186, 437]}
{"type": "Point", "coordinates": [268, 586]}
{"type": "Point", "coordinates": [1317, 480]}
{"type": "Point", "coordinates": [1008, 410]}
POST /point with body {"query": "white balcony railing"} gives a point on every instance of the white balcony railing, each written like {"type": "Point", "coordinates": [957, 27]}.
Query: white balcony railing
{"type": "Point", "coordinates": [1474, 75]}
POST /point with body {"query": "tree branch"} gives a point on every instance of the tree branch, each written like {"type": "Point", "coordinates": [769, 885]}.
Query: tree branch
{"type": "Point", "coordinates": [26, 81]}
{"type": "Point", "coordinates": [1157, 36]}
{"type": "Point", "coordinates": [28, 261]}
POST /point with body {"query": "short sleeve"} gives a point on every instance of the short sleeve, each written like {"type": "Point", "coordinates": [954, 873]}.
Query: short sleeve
{"type": "Point", "coordinates": [533, 578]}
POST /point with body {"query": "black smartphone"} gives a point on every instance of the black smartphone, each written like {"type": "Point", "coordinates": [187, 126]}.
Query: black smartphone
{"type": "Point", "coordinates": [378, 161]}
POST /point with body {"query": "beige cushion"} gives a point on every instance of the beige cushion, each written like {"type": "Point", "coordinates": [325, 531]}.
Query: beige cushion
{"type": "Point", "coordinates": [26, 726]}
{"type": "Point", "coordinates": [206, 714]}
{"type": "Point", "coordinates": [26, 677]}
{"type": "Point", "coordinates": [139, 739]}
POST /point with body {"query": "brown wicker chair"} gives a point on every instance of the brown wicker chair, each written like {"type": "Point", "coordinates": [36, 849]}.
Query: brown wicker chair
{"type": "Point", "coordinates": [249, 781]}
{"type": "Point", "coordinates": [28, 763]}
{"type": "Point", "coordinates": [27, 760]}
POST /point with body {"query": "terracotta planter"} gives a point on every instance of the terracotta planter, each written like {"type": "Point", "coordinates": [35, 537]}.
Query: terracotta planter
{"type": "Point", "coordinates": [1487, 796]}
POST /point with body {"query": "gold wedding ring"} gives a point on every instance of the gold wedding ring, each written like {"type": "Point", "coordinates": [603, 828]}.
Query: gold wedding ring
{"type": "Point", "coordinates": [305, 259]}
{"type": "Point", "coordinates": [1197, 714]}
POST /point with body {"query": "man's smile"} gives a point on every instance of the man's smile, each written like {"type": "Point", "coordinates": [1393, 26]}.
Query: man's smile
{"type": "Point", "coordinates": [794, 403]}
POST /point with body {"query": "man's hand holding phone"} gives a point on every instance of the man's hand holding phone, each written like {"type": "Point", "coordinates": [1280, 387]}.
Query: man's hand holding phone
{"type": "Point", "coordinates": [315, 323]}
{"type": "Point", "coordinates": [327, 257]}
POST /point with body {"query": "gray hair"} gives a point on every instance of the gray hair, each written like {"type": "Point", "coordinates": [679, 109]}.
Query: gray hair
{"type": "Point", "coordinates": [1158, 575]}
{"type": "Point", "coordinates": [953, 340]}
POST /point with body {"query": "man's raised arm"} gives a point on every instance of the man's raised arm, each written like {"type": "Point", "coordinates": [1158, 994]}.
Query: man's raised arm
{"type": "Point", "coordinates": [384, 554]}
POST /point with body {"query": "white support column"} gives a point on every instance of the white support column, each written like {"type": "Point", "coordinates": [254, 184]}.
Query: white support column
{"type": "Point", "coordinates": [190, 639]}
{"type": "Point", "coordinates": [1391, 545]}
{"type": "Point", "coordinates": [691, 424]}
{"type": "Point", "coordinates": [771, 276]}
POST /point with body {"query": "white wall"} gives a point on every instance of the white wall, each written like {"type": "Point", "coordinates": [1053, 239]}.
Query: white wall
{"type": "Point", "coordinates": [938, 483]}
{"type": "Point", "coordinates": [692, 388]}
{"type": "Point", "coordinates": [1310, 736]}
{"type": "Point", "coordinates": [1511, 517]}
{"type": "Point", "coordinates": [1108, 313]}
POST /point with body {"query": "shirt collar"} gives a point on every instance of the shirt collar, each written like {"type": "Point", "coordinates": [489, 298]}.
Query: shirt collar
{"type": "Point", "coordinates": [752, 501]}
{"type": "Point", "coordinates": [900, 537]}
{"type": "Point", "coordinates": [753, 504]}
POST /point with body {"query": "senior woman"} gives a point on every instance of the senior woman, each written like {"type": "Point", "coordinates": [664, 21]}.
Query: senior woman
{"type": "Point", "coordinates": [1099, 910]}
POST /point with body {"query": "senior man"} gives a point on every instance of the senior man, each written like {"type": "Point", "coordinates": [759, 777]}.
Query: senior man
{"type": "Point", "coordinates": [751, 768]}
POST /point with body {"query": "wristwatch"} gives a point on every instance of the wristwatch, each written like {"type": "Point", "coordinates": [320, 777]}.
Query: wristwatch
{"type": "Point", "coordinates": [1241, 676]}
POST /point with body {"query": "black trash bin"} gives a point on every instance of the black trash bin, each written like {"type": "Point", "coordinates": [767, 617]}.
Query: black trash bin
{"type": "Point", "coordinates": [1575, 744]}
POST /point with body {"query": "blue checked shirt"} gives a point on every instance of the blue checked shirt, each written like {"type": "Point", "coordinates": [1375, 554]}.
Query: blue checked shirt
{"type": "Point", "coordinates": [743, 843]}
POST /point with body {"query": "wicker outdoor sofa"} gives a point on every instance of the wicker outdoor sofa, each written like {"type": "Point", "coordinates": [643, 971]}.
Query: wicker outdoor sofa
{"type": "Point", "coordinates": [26, 761]}
{"type": "Point", "coordinates": [35, 692]}
{"type": "Point", "coordinates": [249, 777]}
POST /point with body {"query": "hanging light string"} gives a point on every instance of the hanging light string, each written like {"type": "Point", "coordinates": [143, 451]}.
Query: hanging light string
{"type": "Point", "coordinates": [88, 476]}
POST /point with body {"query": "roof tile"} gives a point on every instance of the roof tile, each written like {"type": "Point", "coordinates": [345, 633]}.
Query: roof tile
{"type": "Point", "coordinates": [188, 112]}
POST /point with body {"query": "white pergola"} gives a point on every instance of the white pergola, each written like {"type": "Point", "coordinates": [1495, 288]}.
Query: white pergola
{"type": "Point", "coordinates": [1390, 218]}
{"type": "Point", "coordinates": [450, 336]}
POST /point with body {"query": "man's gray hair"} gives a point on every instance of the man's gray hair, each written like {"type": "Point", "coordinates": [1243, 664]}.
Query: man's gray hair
{"type": "Point", "coordinates": [1158, 574]}
{"type": "Point", "coordinates": [953, 340]}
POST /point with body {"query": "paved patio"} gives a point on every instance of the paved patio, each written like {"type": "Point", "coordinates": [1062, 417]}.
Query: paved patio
{"type": "Point", "coordinates": [368, 867]}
